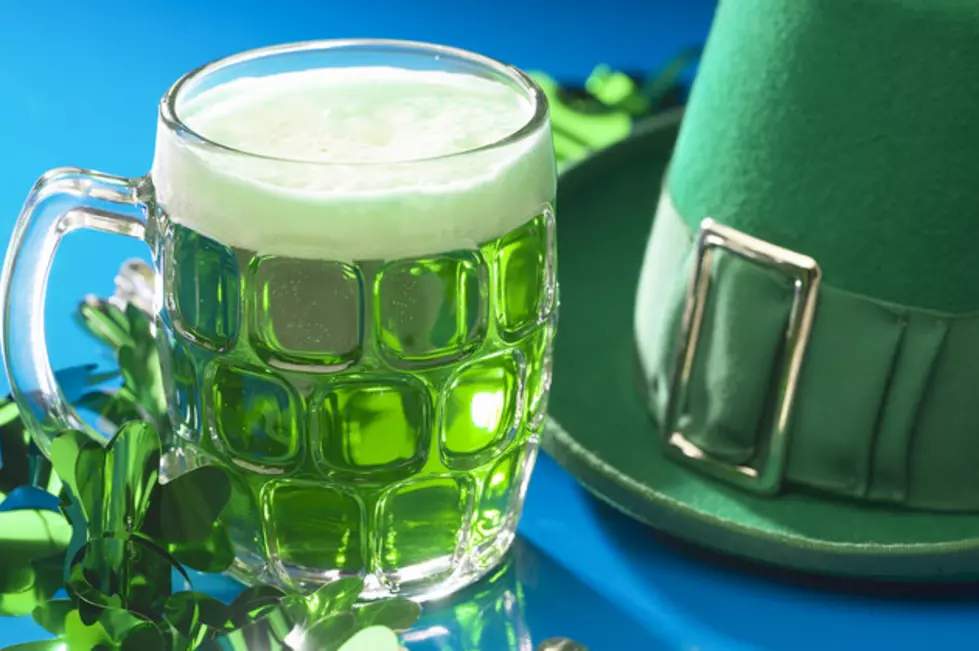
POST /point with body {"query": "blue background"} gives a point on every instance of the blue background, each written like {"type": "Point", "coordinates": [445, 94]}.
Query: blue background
{"type": "Point", "coordinates": [79, 85]}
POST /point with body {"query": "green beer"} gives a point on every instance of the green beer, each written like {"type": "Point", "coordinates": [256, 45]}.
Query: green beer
{"type": "Point", "coordinates": [357, 320]}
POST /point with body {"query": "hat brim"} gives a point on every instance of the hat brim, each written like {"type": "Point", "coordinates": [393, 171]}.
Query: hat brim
{"type": "Point", "coordinates": [599, 430]}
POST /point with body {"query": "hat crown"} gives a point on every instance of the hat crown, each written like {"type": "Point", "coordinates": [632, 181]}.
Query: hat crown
{"type": "Point", "coordinates": [845, 130]}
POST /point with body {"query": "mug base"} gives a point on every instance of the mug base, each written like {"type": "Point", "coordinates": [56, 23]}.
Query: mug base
{"type": "Point", "coordinates": [423, 582]}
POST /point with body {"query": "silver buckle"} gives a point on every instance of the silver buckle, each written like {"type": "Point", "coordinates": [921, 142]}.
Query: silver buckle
{"type": "Point", "coordinates": [766, 476]}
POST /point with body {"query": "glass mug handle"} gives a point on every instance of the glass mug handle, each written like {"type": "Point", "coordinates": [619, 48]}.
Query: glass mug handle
{"type": "Point", "coordinates": [61, 201]}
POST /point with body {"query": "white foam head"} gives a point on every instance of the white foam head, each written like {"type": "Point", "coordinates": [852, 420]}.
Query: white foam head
{"type": "Point", "coordinates": [355, 163]}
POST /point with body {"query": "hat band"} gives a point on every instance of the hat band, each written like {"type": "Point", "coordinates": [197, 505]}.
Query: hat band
{"type": "Point", "coordinates": [878, 402]}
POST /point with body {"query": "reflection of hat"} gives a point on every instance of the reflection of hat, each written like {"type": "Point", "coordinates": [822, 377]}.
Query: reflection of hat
{"type": "Point", "coordinates": [798, 379]}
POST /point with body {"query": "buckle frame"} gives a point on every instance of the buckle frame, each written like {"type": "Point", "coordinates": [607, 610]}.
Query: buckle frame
{"type": "Point", "coordinates": [766, 476]}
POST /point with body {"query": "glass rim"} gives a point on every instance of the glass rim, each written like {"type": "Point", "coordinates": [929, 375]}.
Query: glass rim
{"type": "Point", "coordinates": [175, 125]}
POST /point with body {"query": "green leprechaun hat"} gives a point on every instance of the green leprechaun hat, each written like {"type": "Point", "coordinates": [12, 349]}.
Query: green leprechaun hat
{"type": "Point", "coordinates": [796, 379]}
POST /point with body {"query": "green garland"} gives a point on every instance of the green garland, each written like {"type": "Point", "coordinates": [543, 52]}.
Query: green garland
{"type": "Point", "coordinates": [586, 120]}
{"type": "Point", "coordinates": [115, 538]}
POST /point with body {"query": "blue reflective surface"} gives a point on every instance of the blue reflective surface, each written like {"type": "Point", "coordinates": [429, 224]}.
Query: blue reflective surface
{"type": "Point", "coordinates": [79, 86]}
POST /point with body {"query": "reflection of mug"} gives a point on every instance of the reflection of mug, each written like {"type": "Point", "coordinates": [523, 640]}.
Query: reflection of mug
{"type": "Point", "coordinates": [355, 260]}
{"type": "Point", "coordinates": [530, 603]}
{"type": "Point", "coordinates": [489, 615]}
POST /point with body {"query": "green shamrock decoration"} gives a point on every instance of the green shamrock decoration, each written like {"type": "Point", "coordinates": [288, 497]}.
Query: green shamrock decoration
{"type": "Point", "coordinates": [129, 535]}
{"type": "Point", "coordinates": [609, 106]}
{"type": "Point", "coordinates": [116, 539]}
{"type": "Point", "coordinates": [34, 534]}
{"type": "Point", "coordinates": [126, 330]}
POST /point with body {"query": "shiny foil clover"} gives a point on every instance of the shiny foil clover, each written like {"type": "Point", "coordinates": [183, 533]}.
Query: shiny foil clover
{"type": "Point", "coordinates": [93, 542]}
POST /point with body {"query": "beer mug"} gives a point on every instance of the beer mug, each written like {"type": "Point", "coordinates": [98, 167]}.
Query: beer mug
{"type": "Point", "coordinates": [354, 250]}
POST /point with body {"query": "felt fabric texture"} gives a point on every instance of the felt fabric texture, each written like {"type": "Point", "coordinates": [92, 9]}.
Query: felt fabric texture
{"type": "Point", "coordinates": [844, 130]}
{"type": "Point", "coordinates": [602, 432]}
{"type": "Point", "coordinates": [885, 405]}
